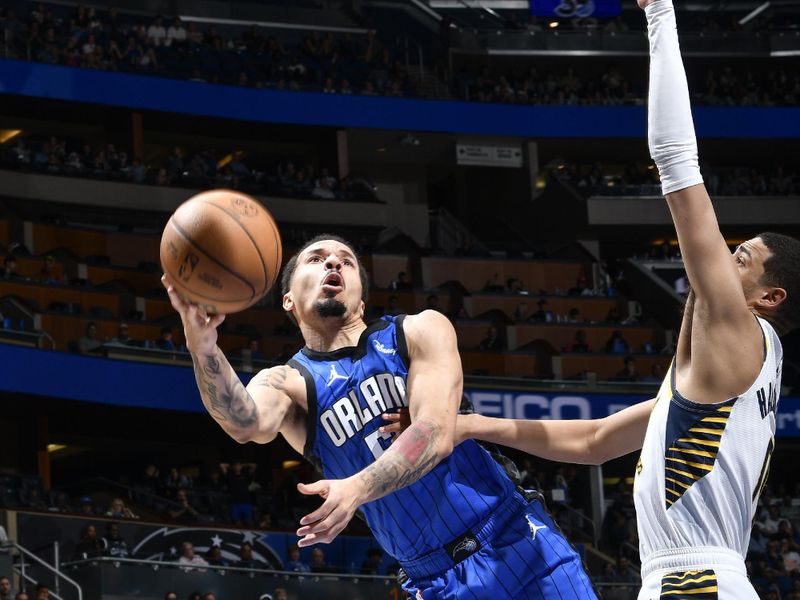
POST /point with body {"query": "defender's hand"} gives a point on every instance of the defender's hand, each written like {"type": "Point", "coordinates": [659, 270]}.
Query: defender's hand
{"type": "Point", "coordinates": [199, 329]}
{"type": "Point", "coordinates": [328, 521]}
{"type": "Point", "coordinates": [397, 422]}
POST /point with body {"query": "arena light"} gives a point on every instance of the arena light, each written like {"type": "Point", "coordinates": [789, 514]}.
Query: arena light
{"type": "Point", "coordinates": [552, 24]}
{"type": "Point", "coordinates": [55, 447]}
{"type": "Point", "coordinates": [8, 134]}
{"type": "Point", "coordinates": [754, 13]}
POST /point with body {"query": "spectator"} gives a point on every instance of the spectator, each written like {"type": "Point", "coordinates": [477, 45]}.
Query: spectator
{"type": "Point", "coordinates": [400, 283]}
{"type": "Point", "coordinates": [171, 596]}
{"type": "Point", "coordinates": [175, 481]}
{"type": "Point", "coordinates": [574, 316]}
{"type": "Point", "coordinates": [22, 596]}
{"type": "Point", "coordinates": [176, 34]}
{"type": "Point", "coordinates": [89, 341]}
{"type": "Point", "coordinates": [580, 288]}
{"type": "Point", "coordinates": [51, 271]}
{"type": "Point", "coordinates": [9, 270]}
{"type": "Point", "coordinates": [624, 572]}
{"type": "Point", "coordinates": [392, 307]}
{"type": "Point", "coordinates": [156, 34]}
{"type": "Point", "coordinates": [113, 543]}
{"type": "Point", "coordinates": [318, 564]}
{"type": "Point", "coordinates": [628, 372]}
{"type": "Point", "coordinates": [579, 344]}
{"type": "Point", "coordinates": [214, 557]}
{"type": "Point", "coordinates": [122, 338]}
{"type": "Point", "coordinates": [118, 510]}
{"type": "Point", "coordinates": [246, 559]}
{"type": "Point", "coordinates": [294, 563]}
{"type": "Point", "coordinates": [616, 344]}
{"type": "Point", "coordinates": [164, 342]}
{"type": "Point", "coordinates": [184, 512]}
{"type": "Point", "coordinates": [86, 506]}
{"type": "Point", "coordinates": [42, 592]}
{"type": "Point", "coordinates": [372, 564]}
{"type": "Point", "coordinates": [254, 345]}
{"type": "Point", "coordinates": [656, 374]}
{"type": "Point", "coordinates": [240, 480]}
{"type": "Point", "coordinates": [6, 593]}
{"type": "Point", "coordinates": [151, 480]}
{"type": "Point", "coordinates": [190, 561]}
{"type": "Point", "coordinates": [89, 546]}
{"type": "Point", "coordinates": [209, 596]}
{"type": "Point", "coordinates": [195, 596]}
{"type": "Point", "coordinates": [491, 341]}
{"type": "Point", "coordinates": [770, 520]}
{"type": "Point", "coordinates": [543, 315]}
{"type": "Point", "coordinates": [612, 316]}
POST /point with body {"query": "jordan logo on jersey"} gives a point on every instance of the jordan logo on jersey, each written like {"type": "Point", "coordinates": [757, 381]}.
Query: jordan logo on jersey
{"type": "Point", "coordinates": [334, 376]}
{"type": "Point", "coordinates": [534, 527]}
{"type": "Point", "coordinates": [346, 416]}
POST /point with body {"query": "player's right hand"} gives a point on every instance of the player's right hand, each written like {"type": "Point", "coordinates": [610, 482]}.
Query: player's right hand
{"type": "Point", "coordinates": [199, 329]}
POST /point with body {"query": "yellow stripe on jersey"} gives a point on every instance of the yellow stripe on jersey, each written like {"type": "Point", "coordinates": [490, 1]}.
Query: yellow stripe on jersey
{"type": "Point", "coordinates": [704, 430]}
{"type": "Point", "coordinates": [684, 473]}
{"type": "Point", "coordinates": [704, 453]}
{"type": "Point", "coordinates": [725, 409]}
{"type": "Point", "coordinates": [699, 441]}
{"type": "Point", "coordinates": [675, 481]}
{"type": "Point", "coordinates": [690, 463]}
{"type": "Point", "coordinates": [715, 420]}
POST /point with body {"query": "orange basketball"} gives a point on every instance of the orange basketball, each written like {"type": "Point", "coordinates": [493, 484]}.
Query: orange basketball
{"type": "Point", "coordinates": [222, 251]}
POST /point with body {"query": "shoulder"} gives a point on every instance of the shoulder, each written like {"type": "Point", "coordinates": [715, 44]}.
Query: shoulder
{"type": "Point", "coordinates": [427, 327]}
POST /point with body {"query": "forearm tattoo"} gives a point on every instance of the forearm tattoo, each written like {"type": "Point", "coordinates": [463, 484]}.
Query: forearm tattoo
{"type": "Point", "coordinates": [224, 395]}
{"type": "Point", "coordinates": [406, 461]}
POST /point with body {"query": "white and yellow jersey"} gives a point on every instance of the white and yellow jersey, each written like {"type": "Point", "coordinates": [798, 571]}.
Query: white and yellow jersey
{"type": "Point", "coordinates": [702, 468]}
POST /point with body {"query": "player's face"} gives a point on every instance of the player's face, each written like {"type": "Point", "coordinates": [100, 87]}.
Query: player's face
{"type": "Point", "coordinates": [750, 257]}
{"type": "Point", "coordinates": [326, 282]}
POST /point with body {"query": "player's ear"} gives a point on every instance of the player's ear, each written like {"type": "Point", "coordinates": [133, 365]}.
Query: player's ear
{"type": "Point", "coordinates": [287, 302]}
{"type": "Point", "coordinates": [772, 297]}
{"type": "Point", "coordinates": [361, 309]}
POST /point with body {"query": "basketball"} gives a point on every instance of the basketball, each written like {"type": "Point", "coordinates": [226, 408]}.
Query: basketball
{"type": "Point", "coordinates": [221, 250]}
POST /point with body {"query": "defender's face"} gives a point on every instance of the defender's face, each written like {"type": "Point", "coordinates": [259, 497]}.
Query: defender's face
{"type": "Point", "coordinates": [750, 257]}
{"type": "Point", "coordinates": [326, 271]}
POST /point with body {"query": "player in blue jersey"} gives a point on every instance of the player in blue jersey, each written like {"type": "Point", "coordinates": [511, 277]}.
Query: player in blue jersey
{"type": "Point", "coordinates": [451, 516]}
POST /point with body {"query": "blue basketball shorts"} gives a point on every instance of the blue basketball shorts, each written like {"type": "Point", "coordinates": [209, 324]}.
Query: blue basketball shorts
{"type": "Point", "coordinates": [518, 552]}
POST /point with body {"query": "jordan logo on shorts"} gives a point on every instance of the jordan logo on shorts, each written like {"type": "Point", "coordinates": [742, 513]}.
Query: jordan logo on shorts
{"type": "Point", "coordinates": [534, 527]}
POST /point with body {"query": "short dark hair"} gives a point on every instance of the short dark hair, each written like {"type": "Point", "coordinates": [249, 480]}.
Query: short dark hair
{"type": "Point", "coordinates": [291, 265]}
{"type": "Point", "coordinates": [782, 269]}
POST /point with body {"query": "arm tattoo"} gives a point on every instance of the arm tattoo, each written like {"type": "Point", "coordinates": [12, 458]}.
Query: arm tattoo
{"type": "Point", "coordinates": [406, 461]}
{"type": "Point", "coordinates": [224, 395]}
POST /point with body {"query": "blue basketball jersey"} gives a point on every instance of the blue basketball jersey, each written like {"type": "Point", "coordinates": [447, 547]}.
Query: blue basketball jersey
{"type": "Point", "coordinates": [348, 390]}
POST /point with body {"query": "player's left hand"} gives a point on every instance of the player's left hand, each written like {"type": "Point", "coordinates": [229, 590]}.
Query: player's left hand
{"type": "Point", "coordinates": [328, 521]}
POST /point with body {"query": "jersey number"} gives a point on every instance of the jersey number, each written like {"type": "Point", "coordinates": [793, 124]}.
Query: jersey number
{"type": "Point", "coordinates": [373, 442]}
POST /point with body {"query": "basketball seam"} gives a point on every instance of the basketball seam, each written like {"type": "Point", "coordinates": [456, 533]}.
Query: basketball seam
{"type": "Point", "coordinates": [258, 250]}
{"type": "Point", "coordinates": [183, 234]}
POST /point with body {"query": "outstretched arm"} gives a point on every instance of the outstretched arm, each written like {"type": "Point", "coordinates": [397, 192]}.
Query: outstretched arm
{"type": "Point", "coordinates": [709, 265]}
{"type": "Point", "coordinates": [255, 413]}
{"type": "Point", "coordinates": [580, 441]}
{"type": "Point", "coordinates": [434, 387]}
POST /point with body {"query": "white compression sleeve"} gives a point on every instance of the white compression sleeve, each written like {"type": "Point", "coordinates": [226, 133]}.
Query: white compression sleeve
{"type": "Point", "coordinates": [670, 131]}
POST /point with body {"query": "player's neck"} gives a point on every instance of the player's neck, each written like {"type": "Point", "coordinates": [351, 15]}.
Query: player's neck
{"type": "Point", "coordinates": [328, 335]}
